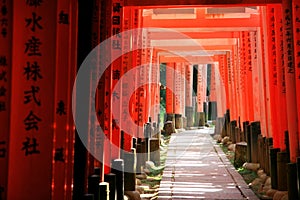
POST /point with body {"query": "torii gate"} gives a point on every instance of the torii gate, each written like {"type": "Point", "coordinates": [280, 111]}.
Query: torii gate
{"type": "Point", "coordinates": [53, 152]}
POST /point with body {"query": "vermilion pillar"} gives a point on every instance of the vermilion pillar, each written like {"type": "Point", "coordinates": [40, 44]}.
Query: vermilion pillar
{"type": "Point", "coordinates": [107, 89]}
{"type": "Point", "coordinates": [282, 110]}
{"type": "Point", "coordinates": [32, 97]}
{"type": "Point", "coordinates": [273, 73]}
{"type": "Point", "coordinates": [116, 96]}
{"type": "Point", "coordinates": [62, 145]}
{"type": "Point", "coordinates": [200, 96]}
{"type": "Point", "coordinates": [169, 88]}
{"type": "Point", "coordinates": [189, 94]}
{"type": "Point", "coordinates": [212, 95]}
{"type": "Point", "coordinates": [221, 95]}
{"type": "Point", "coordinates": [183, 89]}
{"type": "Point", "coordinates": [261, 82]}
{"type": "Point", "coordinates": [141, 74]}
{"type": "Point", "coordinates": [177, 88]}
{"type": "Point", "coordinates": [178, 95]}
{"type": "Point", "coordinates": [99, 36]}
{"type": "Point", "coordinates": [156, 86]}
{"type": "Point", "coordinates": [249, 77]}
{"type": "Point", "coordinates": [219, 89]}
{"type": "Point", "coordinates": [135, 61]}
{"type": "Point", "coordinates": [235, 90]}
{"type": "Point", "coordinates": [5, 92]}
{"type": "Point", "coordinates": [267, 79]}
{"type": "Point", "coordinates": [126, 84]}
{"type": "Point", "coordinates": [145, 72]}
{"type": "Point", "coordinates": [230, 85]}
{"type": "Point", "coordinates": [255, 76]}
{"type": "Point", "coordinates": [241, 87]}
{"type": "Point", "coordinates": [201, 93]}
{"type": "Point", "coordinates": [212, 107]}
{"type": "Point", "coordinates": [71, 127]}
{"type": "Point", "coordinates": [290, 78]}
{"type": "Point", "coordinates": [296, 33]}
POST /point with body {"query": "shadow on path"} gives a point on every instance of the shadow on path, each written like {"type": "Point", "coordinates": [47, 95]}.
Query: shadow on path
{"type": "Point", "coordinates": [197, 168]}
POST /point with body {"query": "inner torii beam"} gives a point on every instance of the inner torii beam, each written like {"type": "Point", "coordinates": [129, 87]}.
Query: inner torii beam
{"type": "Point", "coordinates": [194, 59]}
{"type": "Point", "coordinates": [200, 21]}
{"type": "Point", "coordinates": [197, 2]}
{"type": "Point", "coordinates": [193, 35]}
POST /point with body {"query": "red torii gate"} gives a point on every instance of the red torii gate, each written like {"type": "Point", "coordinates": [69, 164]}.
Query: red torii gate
{"type": "Point", "coordinates": [61, 145]}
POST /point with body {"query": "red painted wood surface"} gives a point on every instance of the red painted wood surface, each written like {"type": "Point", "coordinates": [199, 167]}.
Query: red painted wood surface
{"type": "Point", "coordinates": [189, 85]}
{"type": "Point", "coordinates": [116, 92]}
{"type": "Point", "coordinates": [255, 76]}
{"type": "Point", "coordinates": [272, 73]}
{"type": "Point", "coordinates": [5, 92]}
{"type": "Point", "coordinates": [170, 88]}
{"type": "Point", "coordinates": [176, 3]}
{"type": "Point", "coordinates": [126, 84]}
{"type": "Point", "coordinates": [296, 33]}
{"type": "Point", "coordinates": [107, 90]}
{"type": "Point", "coordinates": [201, 86]}
{"type": "Point", "coordinates": [32, 113]}
{"type": "Point", "coordinates": [262, 78]}
{"type": "Point", "coordinates": [248, 77]}
{"type": "Point", "coordinates": [282, 110]}
{"type": "Point", "coordinates": [63, 89]}
{"type": "Point", "coordinates": [202, 22]}
{"type": "Point", "coordinates": [177, 88]}
{"type": "Point", "coordinates": [290, 78]}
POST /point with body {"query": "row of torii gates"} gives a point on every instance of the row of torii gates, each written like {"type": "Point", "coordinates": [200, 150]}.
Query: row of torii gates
{"type": "Point", "coordinates": [251, 46]}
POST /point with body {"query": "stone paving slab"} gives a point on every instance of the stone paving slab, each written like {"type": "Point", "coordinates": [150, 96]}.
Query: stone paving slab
{"type": "Point", "coordinates": [197, 168]}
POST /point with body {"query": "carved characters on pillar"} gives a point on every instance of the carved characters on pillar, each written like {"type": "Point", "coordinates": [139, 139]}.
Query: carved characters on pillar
{"type": "Point", "coordinates": [32, 71]}
{"type": "Point", "coordinates": [5, 89]}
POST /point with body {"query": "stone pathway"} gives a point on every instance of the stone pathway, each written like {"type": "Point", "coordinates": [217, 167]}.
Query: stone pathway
{"type": "Point", "coordinates": [197, 168]}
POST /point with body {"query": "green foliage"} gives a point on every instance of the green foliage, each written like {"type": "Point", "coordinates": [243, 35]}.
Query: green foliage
{"type": "Point", "coordinates": [162, 92]}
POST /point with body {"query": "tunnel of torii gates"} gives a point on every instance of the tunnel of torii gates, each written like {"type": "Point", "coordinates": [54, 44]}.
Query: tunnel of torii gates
{"type": "Point", "coordinates": [251, 48]}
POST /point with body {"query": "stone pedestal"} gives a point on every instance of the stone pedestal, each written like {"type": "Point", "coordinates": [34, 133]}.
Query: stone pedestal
{"type": "Point", "coordinates": [178, 121]}
{"type": "Point", "coordinates": [298, 177]}
{"type": "Point", "coordinates": [219, 125]}
{"type": "Point", "coordinates": [212, 110]}
{"type": "Point", "coordinates": [117, 168]}
{"type": "Point", "coordinates": [88, 197]}
{"type": "Point", "coordinates": [244, 134]}
{"type": "Point", "coordinates": [104, 191]}
{"type": "Point", "coordinates": [292, 180]}
{"type": "Point", "coordinates": [111, 180]}
{"type": "Point", "coordinates": [148, 130]}
{"type": "Point", "coordinates": [268, 146]}
{"type": "Point", "coordinates": [170, 117]}
{"type": "Point", "coordinates": [254, 132]}
{"type": "Point", "coordinates": [240, 156]}
{"type": "Point", "coordinates": [169, 128]}
{"type": "Point", "coordinates": [237, 134]}
{"type": "Point", "coordinates": [154, 150]}
{"type": "Point", "coordinates": [189, 112]}
{"type": "Point", "coordinates": [233, 125]}
{"type": "Point", "coordinates": [282, 161]}
{"type": "Point", "coordinates": [225, 130]}
{"type": "Point", "coordinates": [205, 110]}
{"type": "Point", "coordinates": [273, 165]}
{"type": "Point", "coordinates": [201, 118]}
{"type": "Point", "coordinates": [129, 171]}
{"type": "Point", "coordinates": [93, 185]}
{"type": "Point", "coordinates": [139, 158]}
{"type": "Point", "coordinates": [249, 149]}
{"type": "Point", "coordinates": [184, 122]}
{"type": "Point", "coordinates": [133, 195]}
